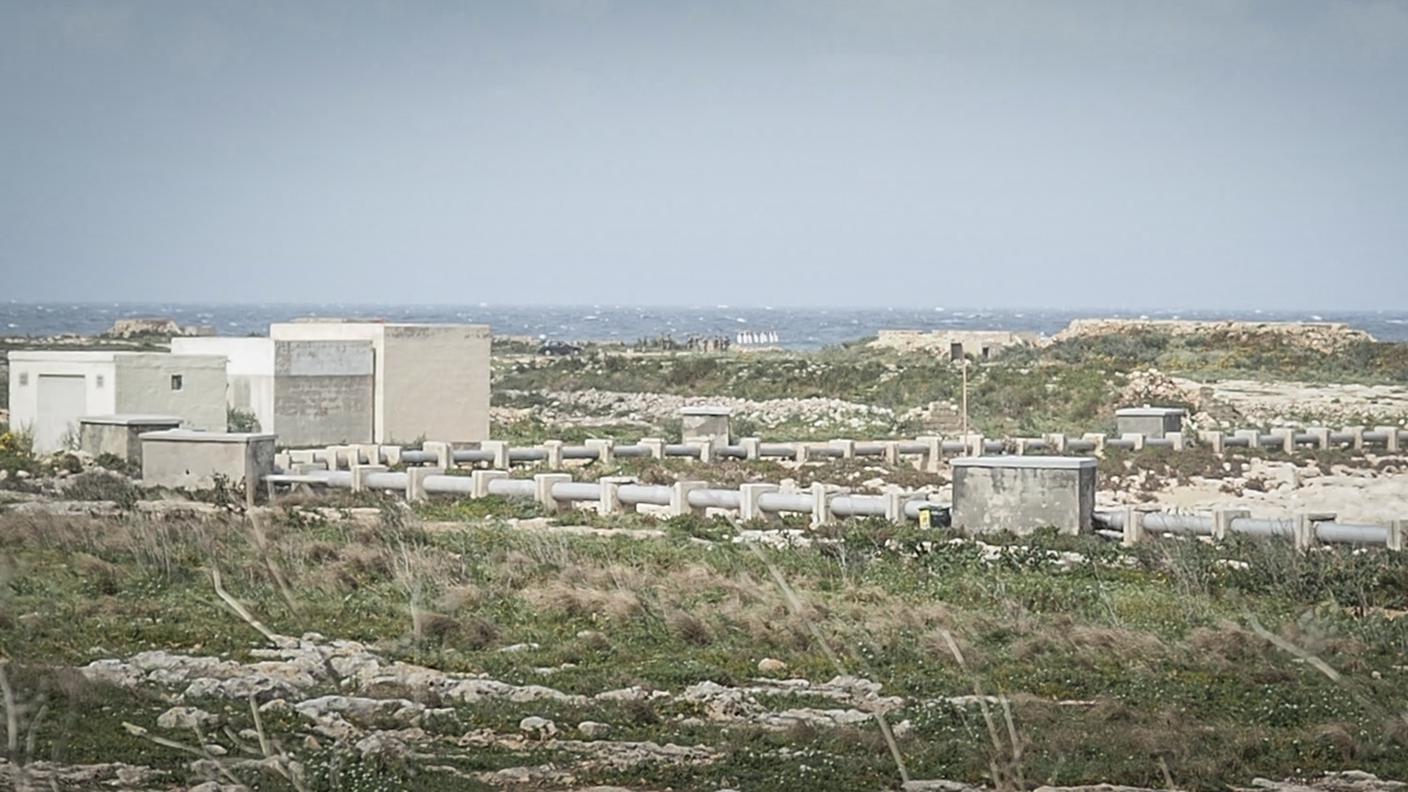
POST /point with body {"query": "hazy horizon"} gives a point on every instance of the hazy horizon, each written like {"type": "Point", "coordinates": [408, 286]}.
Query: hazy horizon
{"type": "Point", "coordinates": [1221, 155]}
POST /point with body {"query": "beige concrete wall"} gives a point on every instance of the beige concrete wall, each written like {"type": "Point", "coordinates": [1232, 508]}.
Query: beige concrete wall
{"type": "Point", "coordinates": [122, 440]}
{"type": "Point", "coordinates": [182, 462]}
{"type": "Point", "coordinates": [435, 383]}
{"type": "Point", "coordinates": [144, 385]}
{"type": "Point", "coordinates": [942, 341]}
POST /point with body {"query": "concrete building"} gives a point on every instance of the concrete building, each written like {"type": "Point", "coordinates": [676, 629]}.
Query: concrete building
{"type": "Point", "coordinates": [120, 435]}
{"type": "Point", "coordinates": [1022, 494]}
{"type": "Point", "coordinates": [1150, 421]}
{"type": "Point", "coordinates": [183, 459]}
{"type": "Point", "coordinates": [51, 390]}
{"type": "Point", "coordinates": [249, 372]}
{"type": "Point", "coordinates": [431, 381]}
{"type": "Point", "coordinates": [308, 392]}
{"type": "Point", "coordinates": [955, 344]}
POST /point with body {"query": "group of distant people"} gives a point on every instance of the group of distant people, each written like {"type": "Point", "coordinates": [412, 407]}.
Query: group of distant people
{"type": "Point", "coordinates": [760, 337]}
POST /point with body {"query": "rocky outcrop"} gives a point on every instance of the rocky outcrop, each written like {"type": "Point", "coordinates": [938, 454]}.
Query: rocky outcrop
{"type": "Point", "coordinates": [1318, 336]}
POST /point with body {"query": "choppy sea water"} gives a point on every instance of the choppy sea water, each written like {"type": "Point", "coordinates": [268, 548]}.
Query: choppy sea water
{"type": "Point", "coordinates": [795, 328]}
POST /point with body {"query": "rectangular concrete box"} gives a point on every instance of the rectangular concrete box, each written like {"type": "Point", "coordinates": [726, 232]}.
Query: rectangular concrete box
{"type": "Point", "coordinates": [249, 372]}
{"type": "Point", "coordinates": [1023, 494]}
{"type": "Point", "coordinates": [705, 422]}
{"type": "Point", "coordinates": [183, 459]}
{"type": "Point", "coordinates": [1149, 421]}
{"type": "Point", "coordinates": [431, 381]}
{"type": "Point", "coordinates": [51, 389]}
{"type": "Point", "coordinates": [120, 435]}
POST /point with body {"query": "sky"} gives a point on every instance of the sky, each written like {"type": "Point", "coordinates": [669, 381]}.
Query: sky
{"type": "Point", "coordinates": [1223, 154]}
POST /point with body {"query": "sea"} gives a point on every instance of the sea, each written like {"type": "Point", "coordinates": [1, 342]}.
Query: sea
{"type": "Point", "coordinates": [786, 327]}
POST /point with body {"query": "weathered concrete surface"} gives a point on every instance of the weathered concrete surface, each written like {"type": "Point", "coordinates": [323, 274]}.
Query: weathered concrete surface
{"type": "Point", "coordinates": [705, 422]}
{"type": "Point", "coordinates": [1023, 494]}
{"type": "Point", "coordinates": [431, 381]}
{"type": "Point", "coordinates": [323, 392]}
{"type": "Point", "coordinates": [180, 458]}
{"type": "Point", "coordinates": [120, 435]}
{"type": "Point", "coordinates": [1149, 421]}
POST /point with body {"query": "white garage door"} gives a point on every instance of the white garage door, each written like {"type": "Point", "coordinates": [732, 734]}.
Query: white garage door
{"type": "Point", "coordinates": [62, 401]}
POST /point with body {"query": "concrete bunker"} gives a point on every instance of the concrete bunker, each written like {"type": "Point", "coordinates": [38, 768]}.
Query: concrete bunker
{"type": "Point", "coordinates": [1022, 494]}
{"type": "Point", "coordinates": [184, 459]}
{"type": "Point", "coordinates": [120, 435]}
{"type": "Point", "coordinates": [1150, 421]}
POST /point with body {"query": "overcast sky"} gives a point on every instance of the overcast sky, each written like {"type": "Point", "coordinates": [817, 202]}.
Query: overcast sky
{"type": "Point", "coordinates": [1219, 154]}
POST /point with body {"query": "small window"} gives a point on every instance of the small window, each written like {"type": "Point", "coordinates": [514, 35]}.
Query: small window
{"type": "Point", "coordinates": [98, 381]}
{"type": "Point", "coordinates": [176, 382]}
{"type": "Point", "coordinates": [24, 378]}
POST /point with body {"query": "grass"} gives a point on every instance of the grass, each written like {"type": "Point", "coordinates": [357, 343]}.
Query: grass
{"type": "Point", "coordinates": [1159, 645]}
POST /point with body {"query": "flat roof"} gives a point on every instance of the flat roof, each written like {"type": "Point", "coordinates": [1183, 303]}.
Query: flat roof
{"type": "Point", "coordinates": [1137, 412]}
{"type": "Point", "coordinates": [706, 409]}
{"type": "Point", "coordinates": [106, 356]}
{"type": "Point", "coordinates": [1027, 462]}
{"type": "Point", "coordinates": [196, 436]}
{"type": "Point", "coordinates": [132, 419]}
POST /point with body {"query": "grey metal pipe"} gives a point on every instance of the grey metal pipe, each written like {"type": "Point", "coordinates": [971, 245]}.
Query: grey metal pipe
{"type": "Point", "coordinates": [1351, 533]}
{"type": "Point", "coordinates": [1114, 519]}
{"type": "Point", "coordinates": [513, 488]}
{"type": "Point", "coordinates": [1306, 438]}
{"type": "Point", "coordinates": [870, 449]}
{"type": "Point", "coordinates": [954, 446]}
{"type": "Point", "coordinates": [786, 450]}
{"type": "Point", "coordinates": [471, 455]}
{"type": "Point", "coordinates": [1120, 442]}
{"type": "Point", "coordinates": [527, 454]}
{"type": "Point", "coordinates": [632, 451]}
{"type": "Point", "coordinates": [577, 491]}
{"type": "Point", "coordinates": [1341, 437]}
{"type": "Point", "coordinates": [714, 498]}
{"type": "Point", "coordinates": [451, 485]}
{"type": "Point", "coordinates": [913, 448]}
{"type": "Point", "coordinates": [1193, 524]}
{"type": "Point", "coordinates": [634, 494]}
{"type": "Point", "coordinates": [1158, 442]}
{"type": "Point", "coordinates": [858, 506]}
{"type": "Point", "coordinates": [1236, 442]}
{"type": "Point", "coordinates": [385, 481]}
{"type": "Point", "coordinates": [784, 501]}
{"type": "Point", "coordinates": [1253, 526]}
{"type": "Point", "coordinates": [417, 457]}
{"type": "Point", "coordinates": [1375, 436]}
{"type": "Point", "coordinates": [681, 450]}
{"type": "Point", "coordinates": [579, 452]}
{"type": "Point", "coordinates": [731, 452]}
{"type": "Point", "coordinates": [1077, 445]}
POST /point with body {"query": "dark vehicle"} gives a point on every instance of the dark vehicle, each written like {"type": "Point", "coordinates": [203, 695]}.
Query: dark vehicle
{"type": "Point", "coordinates": [559, 349]}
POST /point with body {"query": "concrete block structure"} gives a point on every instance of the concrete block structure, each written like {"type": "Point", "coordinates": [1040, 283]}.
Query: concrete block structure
{"type": "Point", "coordinates": [1023, 494]}
{"type": "Point", "coordinates": [249, 372]}
{"type": "Point", "coordinates": [183, 459]}
{"type": "Point", "coordinates": [1149, 421]}
{"type": "Point", "coordinates": [954, 344]}
{"type": "Point", "coordinates": [309, 392]}
{"type": "Point", "coordinates": [120, 435]}
{"type": "Point", "coordinates": [705, 422]}
{"type": "Point", "coordinates": [429, 381]}
{"type": "Point", "coordinates": [51, 390]}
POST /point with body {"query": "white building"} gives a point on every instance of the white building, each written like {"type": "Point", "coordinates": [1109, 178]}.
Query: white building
{"type": "Point", "coordinates": [50, 390]}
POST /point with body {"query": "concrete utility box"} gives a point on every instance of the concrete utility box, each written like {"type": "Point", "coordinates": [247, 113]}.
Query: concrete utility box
{"type": "Point", "coordinates": [183, 459]}
{"type": "Point", "coordinates": [1150, 421]}
{"type": "Point", "coordinates": [1022, 494]}
{"type": "Point", "coordinates": [51, 389]}
{"type": "Point", "coordinates": [120, 435]}
{"type": "Point", "coordinates": [706, 422]}
{"type": "Point", "coordinates": [431, 381]}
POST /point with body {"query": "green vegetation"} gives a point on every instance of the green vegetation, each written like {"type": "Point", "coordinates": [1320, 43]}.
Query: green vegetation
{"type": "Point", "coordinates": [1174, 663]}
